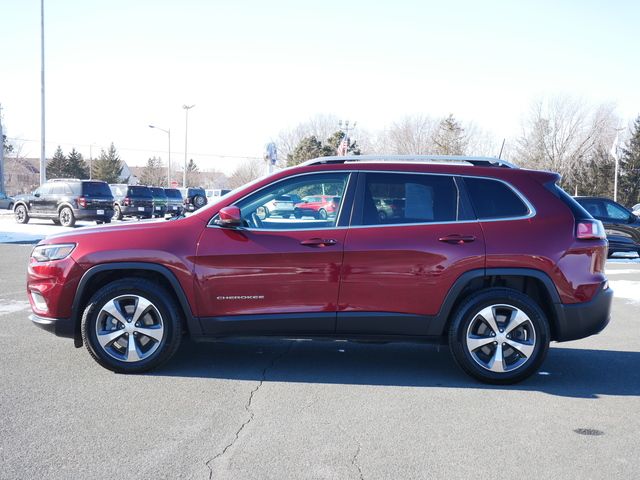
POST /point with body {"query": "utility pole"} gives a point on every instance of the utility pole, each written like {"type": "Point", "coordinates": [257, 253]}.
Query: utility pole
{"type": "Point", "coordinates": [43, 160]}
{"type": "Point", "coordinates": [1, 154]}
{"type": "Point", "coordinates": [186, 131]}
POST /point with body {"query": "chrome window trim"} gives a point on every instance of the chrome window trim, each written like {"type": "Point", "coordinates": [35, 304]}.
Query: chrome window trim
{"type": "Point", "coordinates": [337, 217]}
{"type": "Point", "coordinates": [532, 211]}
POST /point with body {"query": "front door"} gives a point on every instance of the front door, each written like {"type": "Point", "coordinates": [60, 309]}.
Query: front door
{"type": "Point", "coordinates": [400, 263]}
{"type": "Point", "coordinates": [275, 275]}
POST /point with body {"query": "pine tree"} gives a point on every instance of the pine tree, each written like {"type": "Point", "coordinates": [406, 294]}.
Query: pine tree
{"type": "Point", "coordinates": [629, 189]}
{"type": "Point", "coordinates": [450, 138]}
{"type": "Point", "coordinates": [108, 166]}
{"type": "Point", "coordinates": [57, 166]}
{"type": "Point", "coordinates": [76, 166]}
{"type": "Point", "coordinates": [154, 173]}
{"type": "Point", "coordinates": [193, 174]}
{"type": "Point", "coordinates": [332, 143]}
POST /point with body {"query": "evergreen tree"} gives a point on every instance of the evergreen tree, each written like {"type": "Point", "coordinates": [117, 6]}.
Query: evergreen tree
{"type": "Point", "coordinates": [332, 143]}
{"type": "Point", "coordinates": [629, 181]}
{"type": "Point", "coordinates": [76, 165]}
{"type": "Point", "coordinates": [57, 166]}
{"type": "Point", "coordinates": [310, 147]}
{"type": "Point", "coordinates": [450, 138]}
{"type": "Point", "coordinates": [108, 166]}
{"type": "Point", "coordinates": [193, 174]}
{"type": "Point", "coordinates": [8, 148]}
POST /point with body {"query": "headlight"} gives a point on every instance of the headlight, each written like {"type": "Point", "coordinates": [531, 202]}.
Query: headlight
{"type": "Point", "coordinates": [46, 253]}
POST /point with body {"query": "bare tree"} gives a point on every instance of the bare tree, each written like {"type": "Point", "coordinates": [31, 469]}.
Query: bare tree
{"type": "Point", "coordinates": [321, 126]}
{"type": "Point", "coordinates": [561, 133]}
{"type": "Point", "coordinates": [246, 172]}
{"type": "Point", "coordinates": [409, 135]}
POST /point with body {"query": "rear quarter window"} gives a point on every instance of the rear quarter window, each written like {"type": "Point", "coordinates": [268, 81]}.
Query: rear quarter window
{"type": "Point", "coordinates": [493, 199]}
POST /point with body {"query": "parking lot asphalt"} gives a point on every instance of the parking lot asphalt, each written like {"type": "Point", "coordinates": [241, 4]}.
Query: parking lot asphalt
{"type": "Point", "coordinates": [324, 410]}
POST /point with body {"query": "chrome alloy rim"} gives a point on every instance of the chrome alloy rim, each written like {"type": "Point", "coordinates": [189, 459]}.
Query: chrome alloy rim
{"type": "Point", "coordinates": [501, 338]}
{"type": "Point", "coordinates": [65, 216]}
{"type": "Point", "coordinates": [129, 328]}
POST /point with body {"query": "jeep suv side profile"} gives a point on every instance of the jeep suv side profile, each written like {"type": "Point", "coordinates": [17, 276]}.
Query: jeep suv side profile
{"type": "Point", "coordinates": [66, 200]}
{"type": "Point", "coordinates": [493, 260]}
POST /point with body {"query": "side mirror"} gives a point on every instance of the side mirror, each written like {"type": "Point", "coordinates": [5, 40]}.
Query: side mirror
{"type": "Point", "coordinates": [229, 217]}
{"type": "Point", "coordinates": [37, 194]}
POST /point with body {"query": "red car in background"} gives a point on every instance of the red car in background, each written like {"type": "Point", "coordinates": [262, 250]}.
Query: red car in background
{"type": "Point", "coordinates": [317, 206]}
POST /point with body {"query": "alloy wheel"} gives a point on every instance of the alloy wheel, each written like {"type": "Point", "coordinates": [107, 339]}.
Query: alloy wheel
{"type": "Point", "coordinates": [501, 338]}
{"type": "Point", "coordinates": [129, 328]}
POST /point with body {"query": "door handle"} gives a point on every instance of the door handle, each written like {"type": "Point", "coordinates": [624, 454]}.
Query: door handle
{"type": "Point", "coordinates": [457, 239]}
{"type": "Point", "coordinates": [318, 242]}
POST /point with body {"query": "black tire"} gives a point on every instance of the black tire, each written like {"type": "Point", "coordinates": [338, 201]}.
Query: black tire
{"type": "Point", "coordinates": [382, 215]}
{"type": "Point", "coordinates": [66, 217]}
{"type": "Point", "coordinates": [535, 330]}
{"type": "Point", "coordinates": [199, 201]}
{"type": "Point", "coordinates": [117, 212]}
{"type": "Point", "coordinates": [322, 214]}
{"type": "Point", "coordinates": [297, 213]}
{"type": "Point", "coordinates": [10, 207]}
{"type": "Point", "coordinates": [163, 303]}
{"type": "Point", "coordinates": [21, 214]}
{"type": "Point", "coordinates": [286, 215]}
{"type": "Point", "coordinates": [55, 221]}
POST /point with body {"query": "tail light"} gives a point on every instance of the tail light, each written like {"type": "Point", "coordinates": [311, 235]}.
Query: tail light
{"type": "Point", "coordinates": [82, 202]}
{"type": "Point", "coordinates": [590, 230]}
{"type": "Point", "coordinates": [127, 202]}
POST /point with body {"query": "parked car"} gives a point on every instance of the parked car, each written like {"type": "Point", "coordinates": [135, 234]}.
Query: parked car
{"type": "Point", "coordinates": [194, 198]}
{"type": "Point", "coordinates": [66, 200]}
{"type": "Point", "coordinates": [175, 202]}
{"type": "Point", "coordinates": [317, 206]}
{"type": "Point", "coordinates": [384, 207]}
{"type": "Point", "coordinates": [621, 226]}
{"type": "Point", "coordinates": [464, 265]}
{"type": "Point", "coordinates": [6, 201]}
{"type": "Point", "coordinates": [281, 206]}
{"type": "Point", "coordinates": [131, 201]}
{"type": "Point", "coordinates": [160, 201]}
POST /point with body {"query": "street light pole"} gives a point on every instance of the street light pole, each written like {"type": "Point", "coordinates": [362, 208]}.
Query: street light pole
{"type": "Point", "coordinates": [43, 166]}
{"type": "Point", "coordinates": [168, 132]}
{"type": "Point", "coordinates": [186, 131]}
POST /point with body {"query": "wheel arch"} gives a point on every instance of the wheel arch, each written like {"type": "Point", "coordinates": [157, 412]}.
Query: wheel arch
{"type": "Point", "coordinates": [534, 283]}
{"type": "Point", "coordinates": [100, 275]}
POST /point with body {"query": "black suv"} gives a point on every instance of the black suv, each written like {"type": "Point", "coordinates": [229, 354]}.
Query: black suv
{"type": "Point", "coordinates": [194, 198]}
{"type": "Point", "coordinates": [621, 225]}
{"type": "Point", "coordinates": [131, 201]}
{"type": "Point", "coordinates": [66, 200]}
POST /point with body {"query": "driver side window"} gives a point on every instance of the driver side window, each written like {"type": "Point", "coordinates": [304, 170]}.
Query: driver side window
{"type": "Point", "coordinates": [310, 201]}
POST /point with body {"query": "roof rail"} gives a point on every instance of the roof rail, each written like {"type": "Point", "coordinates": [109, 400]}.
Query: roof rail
{"type": "Point", "coordinates": [455, 159]}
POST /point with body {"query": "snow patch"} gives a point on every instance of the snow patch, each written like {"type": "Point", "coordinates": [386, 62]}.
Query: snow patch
{"type": "Point", "coordinates": [627, 289]}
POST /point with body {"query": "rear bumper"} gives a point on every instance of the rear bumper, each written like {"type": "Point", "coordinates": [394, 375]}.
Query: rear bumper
{"type": "Point", "coordinates": [581, 320]}
{"type": "Point", "coordinates": [146, 212]}
{"type": "Point", "coordinates": [61, 327]}
{"type": "Point", "coordinates": [91, 214]}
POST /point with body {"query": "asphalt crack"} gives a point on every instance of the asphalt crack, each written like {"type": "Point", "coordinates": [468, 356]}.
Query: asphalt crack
{"type": "Point", "coordinates": [354, 459]}
{"type": "Point", "coordinates": [248, 408]}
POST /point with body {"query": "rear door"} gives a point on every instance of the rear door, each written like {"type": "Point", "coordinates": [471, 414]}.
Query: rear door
{"type": "Point", "coordinates": [400, 264]}
{"type": "Point", "coordinates": [276, 275]}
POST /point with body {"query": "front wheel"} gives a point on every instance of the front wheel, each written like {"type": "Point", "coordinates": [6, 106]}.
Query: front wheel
{"type": "Point", "coordinates": [499, 336]}
{"type": "Point", "coordinates": [131, 325]}
{"type": "Point", "coordinates": [22, 216]}
{"type": "Point", "coordinates": [322, 214]}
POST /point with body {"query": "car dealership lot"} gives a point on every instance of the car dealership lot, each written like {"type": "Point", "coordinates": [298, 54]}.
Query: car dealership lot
{"type": "Point", "coordinates": [282, 409]}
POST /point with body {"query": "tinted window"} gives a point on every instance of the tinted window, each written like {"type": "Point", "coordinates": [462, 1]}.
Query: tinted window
{"type": "Point", "coordinates": [137, 191]}
{"type": "Point", "coordinates": [494, 199]}
{"type": "Point", "coordinates": [173, 193]}
{"type": "Point", "coordinates": [322, 215]}
{"type": "Point", "coordinates": [594, 207]}
{"type": "Point", "coordinates": [399, 198]}
{"type": "Point", "coordinates": [616, 211]}
{"type": "Point", "coordinates": [157, 191]}
{"type": "Point", "coordinates": [96, 189]}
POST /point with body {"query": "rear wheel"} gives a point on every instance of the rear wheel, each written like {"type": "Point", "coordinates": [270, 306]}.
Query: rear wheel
{"type": "Point", "coordinates": [22, 216]}
{"type": "Point", "coordinates": [322, 214]}
{"type": "Point", "coordinates": [131, 325]}
{"type": "Point", "coordinates": [297, 213]}
{"type": "Point", "coordinates": [199, 201]}
{"type": "Point", "coordinates": [117, 212]}
{"type": "Point", "coordinates": [55, 221]}
{"type": "Point", "coordinates": [66, 217]}
{"type": "Point", "coordinates": [499, 336]}
{"type": "Point", "coordinates": [10, 207]}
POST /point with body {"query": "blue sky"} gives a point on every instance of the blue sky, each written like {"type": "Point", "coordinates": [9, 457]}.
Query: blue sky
{"type": "Point", "coordinates": [253, 68]}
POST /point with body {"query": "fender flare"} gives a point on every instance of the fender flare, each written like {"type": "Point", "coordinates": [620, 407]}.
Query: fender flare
{"type": "Point", "coordinates": [192, 322]}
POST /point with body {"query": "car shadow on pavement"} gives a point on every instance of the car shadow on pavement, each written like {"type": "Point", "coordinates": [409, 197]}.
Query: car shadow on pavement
{"type": "Point", "coordinates": [567, 372]}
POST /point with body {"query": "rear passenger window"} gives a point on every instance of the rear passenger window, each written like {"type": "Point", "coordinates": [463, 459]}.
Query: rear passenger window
{"type": "Point", "coordinates": [398, 198]}
{"type": "Point", "coordinates": [493, 199]}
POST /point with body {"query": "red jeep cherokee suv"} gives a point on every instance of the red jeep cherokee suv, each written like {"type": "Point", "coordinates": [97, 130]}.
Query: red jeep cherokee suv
{"type": "Point", "coordinates": [494, 260]}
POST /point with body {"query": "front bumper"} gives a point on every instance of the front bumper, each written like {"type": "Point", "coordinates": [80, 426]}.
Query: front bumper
{"type": "Point", "coordinates": [581, 320]}
{"type": "Point", "coordinates": [61, 327]}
